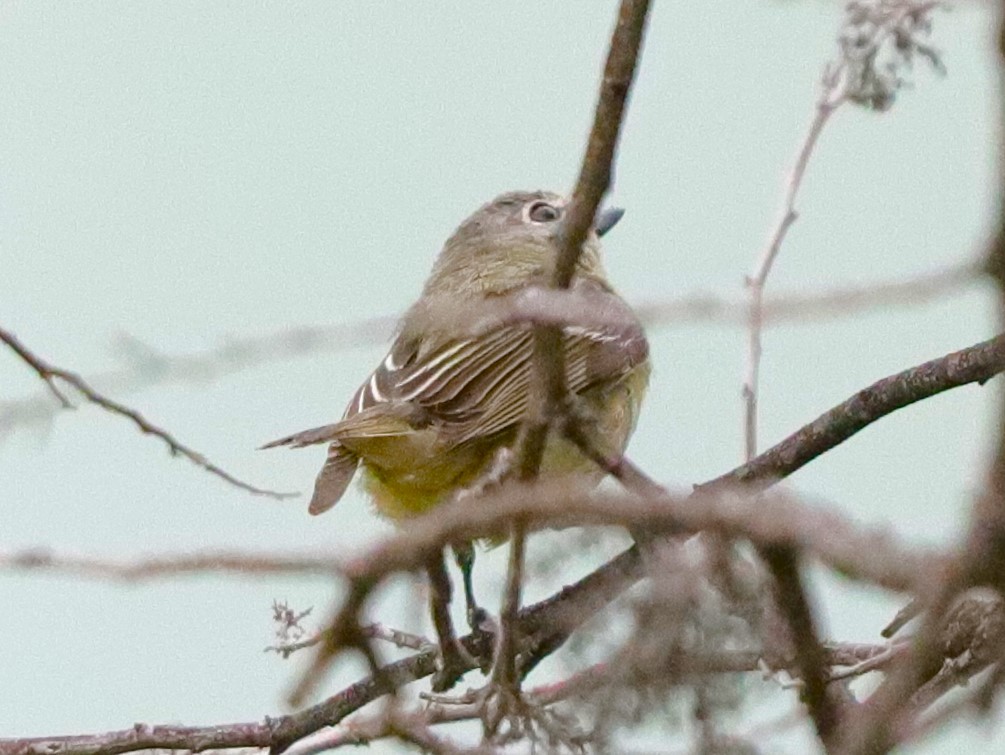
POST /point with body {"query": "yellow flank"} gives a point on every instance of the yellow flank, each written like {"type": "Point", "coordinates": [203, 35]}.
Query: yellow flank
{"type": "Point", "coordinates": [409, 473]}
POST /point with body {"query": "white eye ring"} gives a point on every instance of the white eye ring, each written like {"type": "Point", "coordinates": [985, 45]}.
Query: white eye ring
{"type": "Point", "coordinates": [543, 212]}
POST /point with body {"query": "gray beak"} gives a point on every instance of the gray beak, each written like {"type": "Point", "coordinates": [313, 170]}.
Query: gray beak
{"type": "Point", "coordinates": [607, 219]}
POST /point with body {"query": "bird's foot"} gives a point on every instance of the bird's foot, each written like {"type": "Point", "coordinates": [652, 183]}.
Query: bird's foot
{"type": "Point", "coordinates": [453, 662]}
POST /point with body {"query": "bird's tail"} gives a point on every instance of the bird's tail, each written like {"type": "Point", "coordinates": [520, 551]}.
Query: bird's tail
{"type": "Point", "coordinates": [306, 438]}
{"type": "Point", "coordinates": [339, 468]}
{"type": "Point", "coordinates": [334, 478]}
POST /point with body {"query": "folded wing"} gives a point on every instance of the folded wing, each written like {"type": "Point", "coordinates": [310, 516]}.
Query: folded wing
{"type": "Point", "coordinates": [467, 387]}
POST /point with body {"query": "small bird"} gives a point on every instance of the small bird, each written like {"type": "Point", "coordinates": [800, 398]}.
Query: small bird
{"type": "Point", "coordinates": [431, 420]}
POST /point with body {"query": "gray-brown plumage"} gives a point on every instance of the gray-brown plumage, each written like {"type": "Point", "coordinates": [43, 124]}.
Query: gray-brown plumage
{"type": "Point", "coordinates": [429, 419]}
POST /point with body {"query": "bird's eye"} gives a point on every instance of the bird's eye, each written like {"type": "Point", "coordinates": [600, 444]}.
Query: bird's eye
{"type": "Point", "coordinates": [542, 212]}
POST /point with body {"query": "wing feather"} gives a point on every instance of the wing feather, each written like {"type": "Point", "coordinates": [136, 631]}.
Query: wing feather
{"type": "Point", "coordinates": [477, 387]}
{"type": "Point", "coordinates": [469, 387]}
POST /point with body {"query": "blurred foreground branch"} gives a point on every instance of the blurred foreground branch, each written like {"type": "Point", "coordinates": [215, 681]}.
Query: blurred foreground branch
{"type": "Point", "coordinates": [873, 556]}
{"type": "Point", "coordinates": [145, 367]}
{"type": "Point", "coordinates": [550, 400]}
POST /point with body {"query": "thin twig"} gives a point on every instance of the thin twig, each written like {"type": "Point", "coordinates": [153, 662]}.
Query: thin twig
{"type": "Point", "coordinates": [44, 371]}
{"type": "Point", "coordinates": [397, 637]}
{"type": "Point", "coordinates": [832, 97]}
{"type": "Point", "coordinates": [876, 657]}
{"type": "Point", "coordinates": [286, 649]}
{"type": "Point", "coordinates": [851, 78]}
{"type": "Point", "coordinates": [51, 374]}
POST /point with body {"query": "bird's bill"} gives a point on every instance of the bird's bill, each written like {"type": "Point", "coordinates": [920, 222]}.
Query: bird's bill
{"type": "Point", "coordinates": [608, 218]}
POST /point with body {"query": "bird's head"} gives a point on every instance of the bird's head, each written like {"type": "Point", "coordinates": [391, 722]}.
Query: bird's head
{"type": "Point", "coordinates": [512, 242]}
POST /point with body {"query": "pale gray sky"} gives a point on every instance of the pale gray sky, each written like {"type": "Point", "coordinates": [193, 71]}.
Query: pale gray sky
{"type": "Point", "coordinates": [185, 172]}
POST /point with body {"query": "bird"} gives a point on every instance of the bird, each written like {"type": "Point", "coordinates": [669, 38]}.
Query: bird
{"type": "Point", "coordinates": [431, 420]}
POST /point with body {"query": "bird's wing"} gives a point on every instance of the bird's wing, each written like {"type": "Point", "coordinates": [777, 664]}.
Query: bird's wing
{"type": "Point", "coordinates": [467, 387]}
{"type": "Point", "coordinates": [474, 387]}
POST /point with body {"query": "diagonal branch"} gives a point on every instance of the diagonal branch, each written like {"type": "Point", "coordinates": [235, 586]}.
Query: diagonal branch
{"type": "Point", "coordinates": [975, 364]}
{"type": "Point", "coordinates": [557, 617]}
{"type": "Point", "coordinates": [811, 658]}
{"type": "Point", "coordinates": [51, 375]}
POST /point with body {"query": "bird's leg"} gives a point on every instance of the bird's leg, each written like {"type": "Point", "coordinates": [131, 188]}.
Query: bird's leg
{"type": "Point", "coordinates": [453, 660]}
{"type": "Point", "coordinates": [464, 554]}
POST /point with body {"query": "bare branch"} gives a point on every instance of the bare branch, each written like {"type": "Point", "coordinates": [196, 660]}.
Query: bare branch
{"type": "Point", "coordinates": [353, 731]}
{"type": "Point", "coordinates": [43, 370]}
{"type": "Point", "coordinates": [51, 374]}
{"type": "Point", "coordinates": [795, 307]}
{"type": "Point", "coordinates": [775, 521]}
{"type": "Point", "coordinates": [790, 597]}
{"type": "Point", "coordinates": [831, 98]}
{"type": "Point", "coordinates": [505, 673]}
{"type": "Point", "coordinates": [286, 649]}
{"type": "Point", "coordinates": [145, 737]}
{"type": "Point", "coordinates": [398, 637]}
{"type": "Point", "coordinates": [593, 182]}
{"type": "Point", "coordinates": [859, 75]}
{"type": "Point", "coordinates": [864, 658]}
{"type": "Point", "coordinates": [975, 364]}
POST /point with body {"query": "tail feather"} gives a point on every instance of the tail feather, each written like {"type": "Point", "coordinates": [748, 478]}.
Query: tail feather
{"type": "Point", "coordinates": [306, 438]}
{"type": "Point", "coordinates": [334, 478]}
